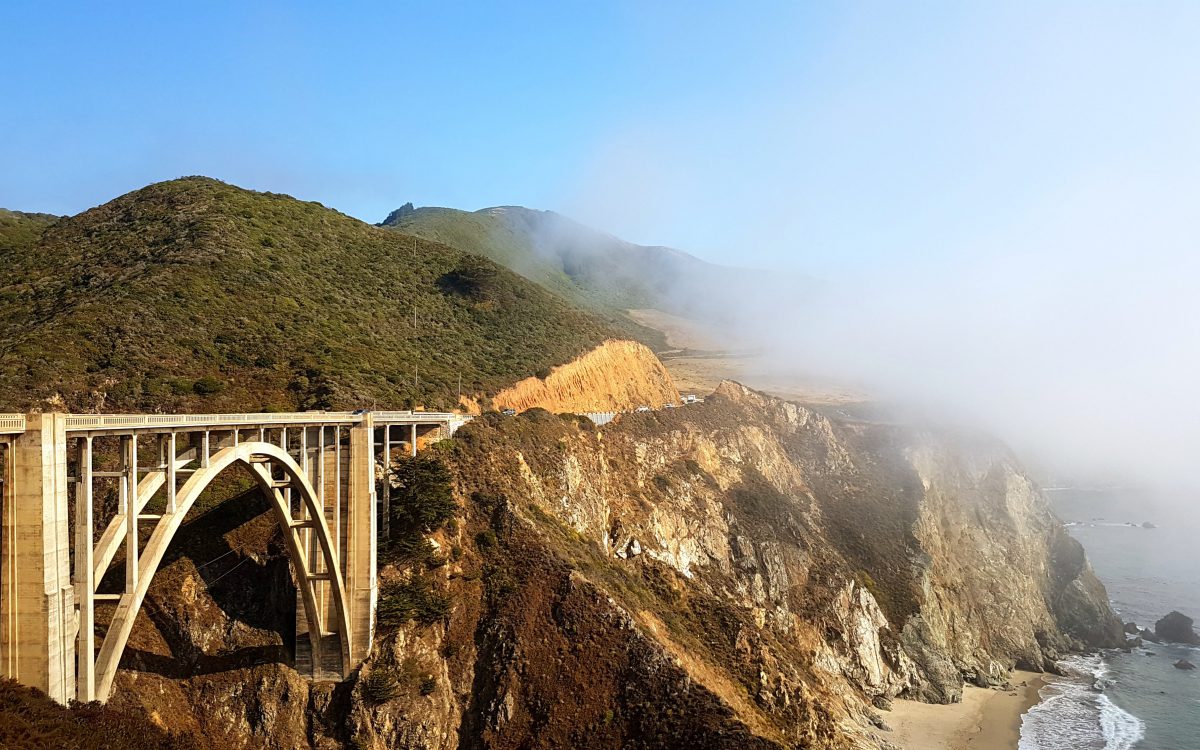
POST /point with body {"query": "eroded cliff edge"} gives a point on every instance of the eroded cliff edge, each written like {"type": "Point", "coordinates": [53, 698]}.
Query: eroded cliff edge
{"type": "Point", "coordinates": [742, 573]}
{"type": "Point", "coordinates": [615, 376]}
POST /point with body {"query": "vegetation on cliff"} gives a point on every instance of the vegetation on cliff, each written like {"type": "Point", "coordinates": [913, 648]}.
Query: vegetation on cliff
{"type": "Point", "coordinates": [420, 503]}
{"type": "Point", "coordinates": [31, 721]}
{"type": "Point", "coordinates": [197, 295]}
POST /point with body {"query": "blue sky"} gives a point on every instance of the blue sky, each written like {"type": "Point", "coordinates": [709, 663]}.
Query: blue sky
{"type": "Point", "coordinates": [819, 136]}
{"type": "Point", "coordinates": [1001, 196]}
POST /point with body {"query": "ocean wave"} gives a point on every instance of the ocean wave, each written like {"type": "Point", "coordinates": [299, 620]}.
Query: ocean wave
{"type": "Point", "coordinates": [1122, 730]}
{"type": "Point", "coordinates": [1073, 715]}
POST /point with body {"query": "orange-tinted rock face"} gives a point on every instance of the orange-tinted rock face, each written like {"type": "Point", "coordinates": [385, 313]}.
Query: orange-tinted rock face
{"type": "Point", "coordinates": [615, 376]}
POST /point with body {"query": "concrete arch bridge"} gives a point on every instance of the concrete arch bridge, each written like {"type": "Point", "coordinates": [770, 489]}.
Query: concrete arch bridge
{"type": "Point", "coordinates": [319, 471]}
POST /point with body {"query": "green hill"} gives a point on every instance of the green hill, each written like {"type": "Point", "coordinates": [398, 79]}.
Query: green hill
{"type": "Point", "coordinates": [592, 269]}
{"type": "Point", "coordinates": [20, 230]}
{"type": "Point", "coordinates": [194, 294]}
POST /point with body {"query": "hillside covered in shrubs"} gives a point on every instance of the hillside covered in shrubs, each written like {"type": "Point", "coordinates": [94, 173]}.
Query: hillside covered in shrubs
{"type": "Point", "coordinates": [197, 295]}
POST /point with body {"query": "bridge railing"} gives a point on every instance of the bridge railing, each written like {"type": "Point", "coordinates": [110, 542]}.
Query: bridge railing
{"type": "Point", "coordinates": [135, 421]}
{"type": "Point", "coordinates": [414, 416]}
{"type": "Point", "coordinates": [15, 423]}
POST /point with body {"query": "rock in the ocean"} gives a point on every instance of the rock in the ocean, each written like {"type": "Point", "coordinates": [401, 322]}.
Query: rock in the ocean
{"type": "Point", "coordinates": [1131, 627]}
{"type": "Point", "coordinates": [1148, 525]}
{"type": "Point", "coordinates": [1184, 664]}
{"type": "Point", "coordinates": [1176, 628]}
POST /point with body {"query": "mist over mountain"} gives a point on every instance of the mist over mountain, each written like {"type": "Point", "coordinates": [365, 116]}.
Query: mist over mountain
{"type": "Point", "coordinates": [597, 270]}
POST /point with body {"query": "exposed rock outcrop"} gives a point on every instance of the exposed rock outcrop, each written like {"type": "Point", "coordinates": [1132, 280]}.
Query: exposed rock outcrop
{"type": "Point", "coordinates": [849, 563]}
{"type": "Point", "coordinates": [1176, 627]}
{"type": "Point", "coordinates": [615, 376]}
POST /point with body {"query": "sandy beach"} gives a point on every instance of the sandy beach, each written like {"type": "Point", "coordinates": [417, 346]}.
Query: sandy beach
{"type": "Point", "coordinates": [986, 719]}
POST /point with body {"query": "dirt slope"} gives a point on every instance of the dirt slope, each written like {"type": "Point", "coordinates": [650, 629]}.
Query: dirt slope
{"type": "Point", "coordinates": [615, 376]}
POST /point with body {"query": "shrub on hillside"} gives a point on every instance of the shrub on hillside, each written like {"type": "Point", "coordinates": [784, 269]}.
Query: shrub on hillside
{"type": "Point", "coordinates": [382, 685]}
{"type": "Point", "coordinates": [420, 502]}
{"type": "Point", "coordinates": [414, 599]}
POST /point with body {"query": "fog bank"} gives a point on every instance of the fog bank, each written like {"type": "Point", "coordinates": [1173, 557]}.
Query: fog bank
{"type": "Point", "coordinates": [1075, 335]}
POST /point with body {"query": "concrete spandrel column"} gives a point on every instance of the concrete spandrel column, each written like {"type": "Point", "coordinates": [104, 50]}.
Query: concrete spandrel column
{"type": "Point", "coordinates": [39, 624]}
{"type": "Point", "coordinates": [361, 528]}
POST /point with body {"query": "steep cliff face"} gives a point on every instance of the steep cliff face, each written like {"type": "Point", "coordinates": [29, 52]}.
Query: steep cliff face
{"type": "Point", "coordinates": [742, 573]}
{"type": "Point", "coordinates": [615, 376]}
{"type": "Point", "coordinates": [800, 570]}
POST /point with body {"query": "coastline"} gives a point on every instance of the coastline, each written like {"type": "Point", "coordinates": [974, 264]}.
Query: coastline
{"type": "Point", "coordinates": [985, 719]}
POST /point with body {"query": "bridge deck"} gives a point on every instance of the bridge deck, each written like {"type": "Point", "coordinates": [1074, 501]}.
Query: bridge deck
{"type": "Point", "coordinates": [14, 424]}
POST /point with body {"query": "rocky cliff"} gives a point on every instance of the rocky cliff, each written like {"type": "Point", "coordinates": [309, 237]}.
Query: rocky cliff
{"type": "Point", "coordinates": [742, 573]}
{"type": "Point", "coordinates": [615, 376]}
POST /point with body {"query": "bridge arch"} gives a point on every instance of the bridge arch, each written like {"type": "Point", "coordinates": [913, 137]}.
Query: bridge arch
{"type": "Point", "coordinates": [278, 476]}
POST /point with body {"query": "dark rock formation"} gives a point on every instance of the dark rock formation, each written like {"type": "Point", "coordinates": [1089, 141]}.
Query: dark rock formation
{"type": "Point", "coordinates": [1184, 664]}
{"type": "Point", "coordinates": [400, 213]}
{"type": "Point", "coordinates": [1078, 600]}
{"type": "Point", "coordinates": [1176, 628]}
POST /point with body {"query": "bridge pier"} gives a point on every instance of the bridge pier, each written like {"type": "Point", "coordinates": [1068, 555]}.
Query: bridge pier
{"type": "Point", "coordinates": [362, 523]}
{"type": "Point", "coordinates": [38, 623]}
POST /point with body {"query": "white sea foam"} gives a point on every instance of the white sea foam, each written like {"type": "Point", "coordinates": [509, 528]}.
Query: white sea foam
{"type": "Point", "coordinates": [1121, 729]}
{"type": "Point", "coordinates": [1074, 716]}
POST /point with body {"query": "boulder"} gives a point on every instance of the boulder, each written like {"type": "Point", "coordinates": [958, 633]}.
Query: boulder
{"type": "Point", "coordinates": [1131, 627]}
{"type": "Point", "coordinates": [1176, 628]}
{"type": "Point", "coordinates": [1184, 664]}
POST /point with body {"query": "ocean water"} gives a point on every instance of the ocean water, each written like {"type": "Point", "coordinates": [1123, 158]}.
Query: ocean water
{"type": "Point", "coordinates": [1114, 700]}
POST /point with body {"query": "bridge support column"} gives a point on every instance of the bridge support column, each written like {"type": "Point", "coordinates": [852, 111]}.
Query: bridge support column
{"type": "Point", "coordinates": [37, 606]}
{"type": "Point", "coordinates": [361, 528]}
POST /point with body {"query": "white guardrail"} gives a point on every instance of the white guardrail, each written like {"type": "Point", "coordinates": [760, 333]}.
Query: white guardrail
{"type": "Point", "coordinates": [15, 423]}
{"type": "Point", "coordinates": [151, 421]}
{"type": "Point", "coordinates": [127, 421]}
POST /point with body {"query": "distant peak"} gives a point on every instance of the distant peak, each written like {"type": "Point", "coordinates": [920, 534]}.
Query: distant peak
{"type": "Point", "coordinates": [395, 216]}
